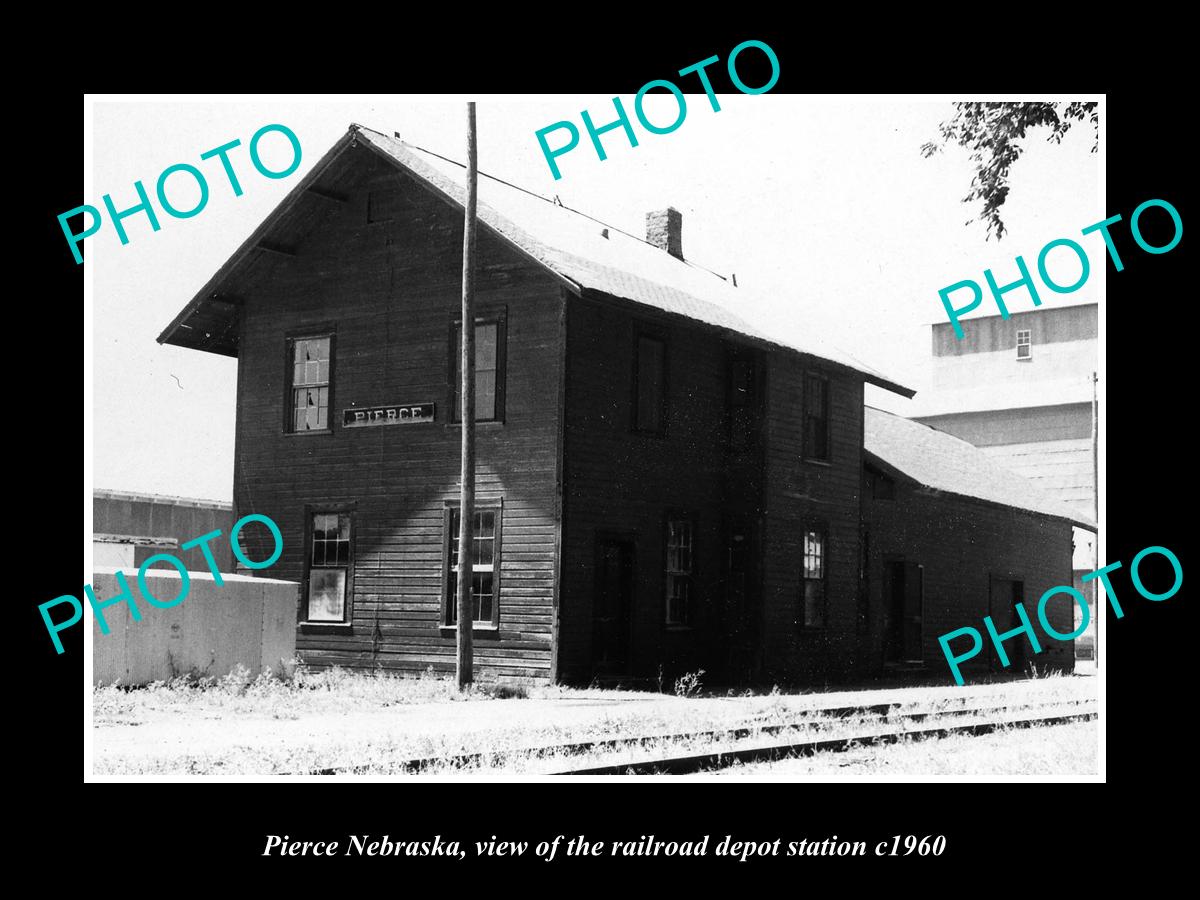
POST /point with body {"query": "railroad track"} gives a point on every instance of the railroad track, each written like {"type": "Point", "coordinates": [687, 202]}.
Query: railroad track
{"type": "Point", "coordinates": [883, 713]}
{"type": "Point", "coordinates": [697, 762]}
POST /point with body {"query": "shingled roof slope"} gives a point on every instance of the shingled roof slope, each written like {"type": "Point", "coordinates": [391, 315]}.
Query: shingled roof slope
{"type": "Point", "coordinates": [583, 252]}
{"type": "Point", "coordinates": [574, 245]}
{"type": "Point", "coordinates": [945, 463]}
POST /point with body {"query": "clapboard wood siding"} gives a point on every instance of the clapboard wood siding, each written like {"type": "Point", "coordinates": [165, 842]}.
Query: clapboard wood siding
{"type": "Point", "coordinates": [382, 271]}
{"type": "Point", "coordinates": [804, 494]}
{"type": "Point", "coordinates": [618, 481]}
{"type": "Point", "coordinates": [391, 289]}
{"type": "Point", "coordinates": [962, 544]}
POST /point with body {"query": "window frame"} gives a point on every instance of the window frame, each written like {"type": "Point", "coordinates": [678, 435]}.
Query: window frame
{"type": "Point", "coordinates": [315, 332]}
{"type": "Point", "coordinates": [649, 332]}
{"type": "Point", "coordinates": [497, 316]}
{"type": "Point", "coordinates": [689, 620]}
{"type": "Point", "coordinates": [807, 453]}
{"type": "Point", "coordinates": [311, 510]}
{"type": "Point", "coordinates": [1027, 343]}
{"type": "Point", "coordinates": [821, 529]}
{"type": "Point", "coordinates": [446, 624]}
{"type": "Point", "coordinates": [749, 412]}
{"type": "Point", "coordinates": [880, 486]}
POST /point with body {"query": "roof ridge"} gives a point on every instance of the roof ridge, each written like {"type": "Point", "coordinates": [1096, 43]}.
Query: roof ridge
{"type": "Point", "coordinates": [555, 202]}
{"type": "Point", "coordinates": [570, 249]}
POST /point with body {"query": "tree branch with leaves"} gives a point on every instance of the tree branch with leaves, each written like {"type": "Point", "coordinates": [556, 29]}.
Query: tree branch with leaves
{"type": "Point", "coordinates": [992, 132]}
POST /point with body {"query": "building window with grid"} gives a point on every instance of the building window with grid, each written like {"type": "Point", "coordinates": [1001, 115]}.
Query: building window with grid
{"type": "Point", "coordinates": [813, 598]}
{"type": "Point", "coordinates": [489, 370]}
{"type": "Point", "coordinates": [311, 381]}
{"type": "Point", "coordinates": [1025, 344]}
{"type": "Point", "coordinates": [816, 417]}
{"type": "Point", "coordinates": [679, 572]}
{"type": "Point", "coordinates": [485, 567]}
{"type": "Point", "coordinates": [330, 562]}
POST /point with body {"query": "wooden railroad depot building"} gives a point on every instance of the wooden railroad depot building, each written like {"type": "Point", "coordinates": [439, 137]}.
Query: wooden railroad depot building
{"type": "Point", "coordinates": [660, 487]}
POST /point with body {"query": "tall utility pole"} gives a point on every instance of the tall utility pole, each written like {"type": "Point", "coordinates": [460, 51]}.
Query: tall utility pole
{"type": "Point", "coordinates": [1096, 509]}
{"type": "Point", "coordinates": [466, 607]}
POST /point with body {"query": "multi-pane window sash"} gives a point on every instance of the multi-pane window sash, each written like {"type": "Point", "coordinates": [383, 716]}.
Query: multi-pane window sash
{"type": "Point", "coordinates": [487, 371]}
{"type": "Point", "coordinates": [310, 384]}
{"type": "Point", "coordinates": [1025, 344]}
{"type": "Point", "coordinates": [679, 572]}
{"type": "Point", "coordinates": [814, 579]}
{"type": "Point", "coordinates": [328, 567]}
{"type": "Point", "coordinates": [483, 567]}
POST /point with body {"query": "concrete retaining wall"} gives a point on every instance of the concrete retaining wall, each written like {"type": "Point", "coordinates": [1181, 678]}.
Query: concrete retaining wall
{"type": "Point", "coordinates": [251, 621]}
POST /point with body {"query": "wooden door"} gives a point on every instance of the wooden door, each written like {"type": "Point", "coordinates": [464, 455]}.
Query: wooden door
{"type": "Point", "coordinates": [912, 629]}
{"type": "Point", "coordinates": [612, 606]}
{"type": "Point", "coordinates": [1006, 593]}
{"type": "Point", "coordinates": [904, 611]}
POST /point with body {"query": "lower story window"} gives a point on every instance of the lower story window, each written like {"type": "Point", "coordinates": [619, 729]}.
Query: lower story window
{"type": "Point", "coordinates": [679, 571]}
{"type": "Point", "coordinates": [814, 579]}
{"type": "Point", "coordinates": [485, 565]}
{"type": "Point", "coordinates": [329, 562]}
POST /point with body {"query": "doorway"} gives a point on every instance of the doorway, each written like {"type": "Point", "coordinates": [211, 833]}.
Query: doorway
{"type": "Point", "coordinates": [904, 611]}
{"type": "Point", "coordinates": [1006, 593]}
{"type": "Point", "coordinates": [737, 624]}
{"type": "Point", "coordinates": [612, 606]}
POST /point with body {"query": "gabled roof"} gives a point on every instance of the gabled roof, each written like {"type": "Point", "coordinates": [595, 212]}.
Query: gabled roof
{"type": "Point", "coordinates": [943, 462]}
{"type": "Point", "coordinates": [583, 253]}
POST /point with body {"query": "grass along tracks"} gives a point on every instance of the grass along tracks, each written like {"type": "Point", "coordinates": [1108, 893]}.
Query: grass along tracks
{"type": "Point", "coordinates": [819, 730]}
{"type": "Point", "coordinates": [757, 753]}
{"type": "Point", "coordinates": [343, 723]}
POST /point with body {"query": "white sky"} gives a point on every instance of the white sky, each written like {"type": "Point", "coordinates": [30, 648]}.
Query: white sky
{"type": "Point", "coordinates": [824, 209]}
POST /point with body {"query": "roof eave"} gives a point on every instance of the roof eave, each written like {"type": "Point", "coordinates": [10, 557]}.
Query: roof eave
{"type": "Point", "coordinates": [454, 201]}
{"type": "Point", "coordinates": [1078, 521]}
{"type": "Point", "coordinates": [212, 287]}
{"type": "Point", "coordinates": [893, 386]}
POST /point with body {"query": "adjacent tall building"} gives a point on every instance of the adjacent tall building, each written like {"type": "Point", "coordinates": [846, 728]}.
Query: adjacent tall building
{"type": "Point", "coordinates": [1021, 389]}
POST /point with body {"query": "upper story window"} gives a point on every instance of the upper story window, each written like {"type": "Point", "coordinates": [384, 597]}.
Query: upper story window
{"type": "Point", "coordinates": [816, 417]}
{"type": "Point", "coordinates": [743, 405]}
{"type": "Point", "coordinates": [310, 385]}
{"type": "Point", "coordinates": [883, 487]}
{"type": "Point", "coordinates": [489, 369]}
{"type": "Point", "coordinates": [1025, 344]}
{"type": "Point", "coordinates": [650, 384]}
{"type": "Point", "coordinates": [328, 567]}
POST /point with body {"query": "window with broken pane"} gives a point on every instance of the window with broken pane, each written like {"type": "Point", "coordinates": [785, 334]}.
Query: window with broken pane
{"type": "Point", "coordinates": [311, 374]}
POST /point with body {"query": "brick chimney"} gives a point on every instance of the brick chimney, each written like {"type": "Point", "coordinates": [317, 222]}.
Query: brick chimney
{"type": "Point", "coordinates": [664, 229]}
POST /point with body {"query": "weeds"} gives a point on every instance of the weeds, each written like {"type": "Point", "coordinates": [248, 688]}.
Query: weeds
{"type": "Point", "coordinates": [353, 718]}
{"type": "Point", "coordinates": [688, 684]}
{"type": "Point", "coordinates": [505, 691]}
